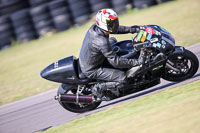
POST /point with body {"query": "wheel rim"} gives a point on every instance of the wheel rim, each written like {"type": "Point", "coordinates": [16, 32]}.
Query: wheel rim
{"type": "Point", "coordinates": [182, 63]}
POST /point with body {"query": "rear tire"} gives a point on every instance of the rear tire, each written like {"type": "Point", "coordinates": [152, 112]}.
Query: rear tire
{"type": "Point", "coordinates": [187, 61]}
{"type": "Point", "coordinates": [72, 107]}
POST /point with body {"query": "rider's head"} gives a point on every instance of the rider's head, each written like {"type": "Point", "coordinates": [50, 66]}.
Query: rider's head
{"type": "Point", "coordinates": [107, 20]}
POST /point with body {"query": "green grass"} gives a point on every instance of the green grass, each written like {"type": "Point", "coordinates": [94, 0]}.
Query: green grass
{"type": "Point", "coordinates": [21, 64]}
{"type": "Point", "coordinates": [174, 110]}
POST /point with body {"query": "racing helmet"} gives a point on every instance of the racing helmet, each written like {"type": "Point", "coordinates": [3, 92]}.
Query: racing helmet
{"type": "Point", "coordinates": [107, 20]}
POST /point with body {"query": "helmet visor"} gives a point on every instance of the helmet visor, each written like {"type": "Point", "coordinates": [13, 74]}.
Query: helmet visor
{"type": "Point", "coordinates": [113, 25]}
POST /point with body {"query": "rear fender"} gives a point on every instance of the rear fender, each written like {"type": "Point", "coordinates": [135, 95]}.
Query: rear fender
{"type": "Point", "coordinates": [65, 87]}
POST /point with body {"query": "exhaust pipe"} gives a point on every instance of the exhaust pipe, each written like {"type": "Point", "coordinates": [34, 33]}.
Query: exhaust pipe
{"type": "Point", "coordinates": [71, 98]}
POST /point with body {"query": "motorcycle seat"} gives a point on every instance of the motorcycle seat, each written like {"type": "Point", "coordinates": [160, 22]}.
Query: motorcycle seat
{"type": "Point", "coordinates": [80, 73]}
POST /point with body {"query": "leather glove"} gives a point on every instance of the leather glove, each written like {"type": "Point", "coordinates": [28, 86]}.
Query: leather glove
{"type": "Point", "coordinates": [142, 58]}
{"type": "Point", "coordinates": [134, 29]}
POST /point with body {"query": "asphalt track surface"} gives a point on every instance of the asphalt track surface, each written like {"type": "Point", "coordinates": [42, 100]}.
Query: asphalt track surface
{"type": "Point", "coordinates": [42, 111]}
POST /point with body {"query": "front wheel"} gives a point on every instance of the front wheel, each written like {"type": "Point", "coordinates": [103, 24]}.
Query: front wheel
{"type": "Point", "coordinates": [73, 107]}
{"type": "Point", "coordinates": [181, 66]}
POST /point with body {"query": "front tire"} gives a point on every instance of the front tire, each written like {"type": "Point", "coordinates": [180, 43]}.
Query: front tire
{"type": "Point", "coordinates": [186, 62]}
{"type": "Point", "coordinates": [73, 107]}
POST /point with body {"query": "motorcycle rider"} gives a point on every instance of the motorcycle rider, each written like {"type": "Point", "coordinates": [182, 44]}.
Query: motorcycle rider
{"type": "Point", "coordinates": [96, 49]}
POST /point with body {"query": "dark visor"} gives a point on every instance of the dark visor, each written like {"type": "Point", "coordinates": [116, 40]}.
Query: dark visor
{"type": "Point", "coordinates": [112, 25]}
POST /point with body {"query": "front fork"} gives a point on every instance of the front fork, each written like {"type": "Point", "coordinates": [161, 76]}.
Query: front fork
{"type": "Point", "coordinates": [178, 50]}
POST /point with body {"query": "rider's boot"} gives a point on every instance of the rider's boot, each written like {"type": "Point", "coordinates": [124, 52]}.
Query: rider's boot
{"type": "Point", "coordinates": [130, 73]}
{"type": "Point", "coordinates": [99, 88]}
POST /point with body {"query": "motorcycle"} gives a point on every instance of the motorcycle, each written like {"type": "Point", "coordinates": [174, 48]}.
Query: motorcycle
{"type": "Point", "coordinates": [177, 64]}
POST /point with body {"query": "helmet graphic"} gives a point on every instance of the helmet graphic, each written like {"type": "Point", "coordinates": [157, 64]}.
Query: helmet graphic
{"type": "Point", "coordinates": [107, 20]}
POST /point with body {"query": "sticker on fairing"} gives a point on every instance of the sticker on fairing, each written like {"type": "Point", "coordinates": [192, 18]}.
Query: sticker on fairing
{"type": "Point", "coordinates": [163, 46]}
{"type": "Point", "coordinates": [55, 64]}
{"type": "Point", "coordinates": [142, 27]}
{"type": "Point", "coordinates": [140, 34]}
{"type": "Point", "coordinates": [154, 45]}
{"type": "Point", "coordinates": [149, 30]}
{"type": "Point", "coordinates": [163, 29]}
{"type": "Point", "coordinates": [135, 40]}
{"type": "Point", "coordinates": [157, 32]}
{"type": "Point", "coordinates": [158, 45]}
{"type": "Point", "coordinates": [149, 37]}
{"type": "Point", "coordinates": [144, 36]}
{"type": "Point", "coordinates": [163, 42]}
{"type": "Point", "coordinates": [154, 40]}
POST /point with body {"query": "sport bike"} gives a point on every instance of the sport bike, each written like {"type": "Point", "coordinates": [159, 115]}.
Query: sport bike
{"type": "Point", "coordinates": [174, 63]}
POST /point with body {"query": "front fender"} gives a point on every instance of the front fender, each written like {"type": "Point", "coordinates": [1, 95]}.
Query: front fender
{"type": "Point", "coordinates": [177, 50]}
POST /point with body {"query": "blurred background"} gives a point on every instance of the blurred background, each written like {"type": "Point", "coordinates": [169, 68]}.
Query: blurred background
{"type": "Point", "coordinates": [26, 20]}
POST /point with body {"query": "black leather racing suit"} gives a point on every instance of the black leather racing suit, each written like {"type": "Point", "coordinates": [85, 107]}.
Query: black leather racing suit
{"type": "Point", "coordinates": [96, 48]}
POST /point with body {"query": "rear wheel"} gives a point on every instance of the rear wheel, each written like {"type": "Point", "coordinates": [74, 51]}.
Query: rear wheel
{"type": "Point", "coordinates": [181, 66]}
{"type": "Point", "coordinates": [73, 107]}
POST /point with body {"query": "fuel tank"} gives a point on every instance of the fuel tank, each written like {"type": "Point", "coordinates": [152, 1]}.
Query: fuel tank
{"type": "Point", "coordinates": [62, 71]}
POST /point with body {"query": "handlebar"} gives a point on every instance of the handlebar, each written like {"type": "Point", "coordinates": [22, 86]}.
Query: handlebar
{"type": "Point", "coordinates": [139, 46]}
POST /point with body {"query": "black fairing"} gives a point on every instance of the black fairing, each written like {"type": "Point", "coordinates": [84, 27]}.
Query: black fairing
{"type": "Point", "coordinates": [165, 36]}
{"type": "Point", "coordinates": [158, 37]}
{"type": "Point", "coordinates": [63, 71]}
{"type": "Point", "coordinates": [124, 49]}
